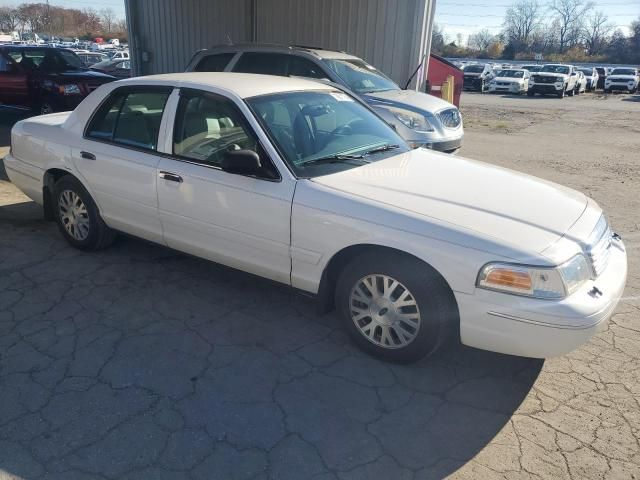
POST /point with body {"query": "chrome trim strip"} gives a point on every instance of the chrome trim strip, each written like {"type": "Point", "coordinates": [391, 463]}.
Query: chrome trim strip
{"type": "Point", "coordinates": [542, 324]}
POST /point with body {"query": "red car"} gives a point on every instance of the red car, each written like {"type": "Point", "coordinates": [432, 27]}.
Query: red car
{"type": "Point", "coordinates": [45, 79]}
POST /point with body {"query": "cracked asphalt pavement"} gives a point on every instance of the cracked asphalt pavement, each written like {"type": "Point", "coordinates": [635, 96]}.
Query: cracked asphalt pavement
{"type": "Point", "coordinates": [139, 362]}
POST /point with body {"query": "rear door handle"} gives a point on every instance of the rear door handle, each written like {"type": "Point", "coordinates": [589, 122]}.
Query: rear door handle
{"type": "Point", "coordinates": [87, 156]}
{"type": "Point", "coordinates": [172, 177]}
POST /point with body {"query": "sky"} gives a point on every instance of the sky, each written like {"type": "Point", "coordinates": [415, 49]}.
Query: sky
{"type": "Point", "coordinates": [468, 16]}
{"type": "Point", "coordinates": [455, 16]}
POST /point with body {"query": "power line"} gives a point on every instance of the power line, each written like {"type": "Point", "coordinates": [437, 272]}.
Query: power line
{"type": "Point", "coordinates": [502, 16]}
{"type": "Point", "coordinates": [444, 4]}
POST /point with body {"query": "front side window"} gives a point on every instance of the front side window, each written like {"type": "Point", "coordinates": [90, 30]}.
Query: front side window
{"type": "Point", "coordinates": [208, 125]}
{"type": "Point", "coordinates": [359, 76]}
{"type": "Point", "coordinates": [214, 63]}
{"type": "Point", "coordinates": [320, 132]}
{"type": "Point", "coordinates": [130, 118]}
{"type": "Point", "coordinates": [263, 63]}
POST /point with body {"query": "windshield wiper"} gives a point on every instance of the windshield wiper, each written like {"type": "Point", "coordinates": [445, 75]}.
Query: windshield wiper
{"type": "Point", "coordinates": [382, 148]}
{"type": "Point", "coordinates": [332, 159]}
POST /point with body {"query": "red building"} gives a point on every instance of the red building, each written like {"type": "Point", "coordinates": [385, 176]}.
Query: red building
{"type": "Point", "coordinates": [442, 76]}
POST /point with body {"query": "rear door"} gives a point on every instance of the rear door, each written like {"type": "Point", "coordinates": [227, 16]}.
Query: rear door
{"type": "Point", "coordinates": [14, 86]}
{"type": "Point", "coordinates": [118, 158]}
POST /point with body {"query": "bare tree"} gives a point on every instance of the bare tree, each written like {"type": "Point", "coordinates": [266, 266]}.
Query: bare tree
{"type": "Point", "coordinates": [520, 21]}
{"type": "Point", "coordinates": [108, 17]}
{"type": "Point", "coordinates": [570, 15]}
{"type": "Point", "coordinates": [481, 40]}
{"type": "Point", "coordinates": [595, 31]}
{"type": "Point", "coordinates": [9, 19]}
{"type": "Point", "coordinates": [438, 39]}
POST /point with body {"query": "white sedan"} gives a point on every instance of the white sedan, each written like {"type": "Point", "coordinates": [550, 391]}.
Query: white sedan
{"type": "Point", "coordinates": [303, 184]}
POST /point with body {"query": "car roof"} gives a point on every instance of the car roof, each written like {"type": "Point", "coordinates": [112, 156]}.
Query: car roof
{"type": "Point", "coordinates": [244, 85]}
{"type": "Point", "coordinates": [314, 50]}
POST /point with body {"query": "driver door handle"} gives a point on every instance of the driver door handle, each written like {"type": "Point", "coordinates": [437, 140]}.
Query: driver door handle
{"type": "Point", "coordinates": [172, 177]}
{"type": "Point", "coordinates": [87, 156]}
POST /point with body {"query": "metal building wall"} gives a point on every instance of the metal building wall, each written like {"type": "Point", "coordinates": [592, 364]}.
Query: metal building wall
{"type": "Point", "coordinates": [393, 35]}
{"type": "Point", "coordinates": [164, 34]}
{"type": "Point", "coordinates": [386, 33]}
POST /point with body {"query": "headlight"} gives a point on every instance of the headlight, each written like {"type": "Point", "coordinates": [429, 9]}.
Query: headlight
{"type": "Point", "coordinates": [413, 120]}
{"type": "Point", "coordinates": [537, 282]}
{"type": "Point", "coordinates": [70, 89]}
{"type": "Point", "coordinates": [492, 82]}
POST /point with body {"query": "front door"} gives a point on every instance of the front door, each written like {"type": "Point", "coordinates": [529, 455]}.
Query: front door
{"type": "Point", "coordinates": [242, 221]}
{"type": "Point", "coordinates": [14, 87]}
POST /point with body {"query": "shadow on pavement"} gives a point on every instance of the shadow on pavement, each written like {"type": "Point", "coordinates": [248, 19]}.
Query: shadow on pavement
{"type": "Point", "coordinates": [140, 362]}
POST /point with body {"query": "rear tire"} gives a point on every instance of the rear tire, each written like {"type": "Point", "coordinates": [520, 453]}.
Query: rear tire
{"type": "Point", "coordinates": [395, 307]}
{"type": "Point", "coordinates": [78, 217]}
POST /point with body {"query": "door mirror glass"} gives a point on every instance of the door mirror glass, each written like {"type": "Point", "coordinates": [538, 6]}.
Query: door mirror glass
{"type": "Point", "coordinates": [242, 162]}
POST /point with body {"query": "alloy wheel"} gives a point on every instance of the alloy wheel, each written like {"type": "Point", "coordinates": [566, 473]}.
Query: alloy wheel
{"type": "Point", "coordinates": [73, 215]}
{"type": "Point", "coordinates": [384, 311]}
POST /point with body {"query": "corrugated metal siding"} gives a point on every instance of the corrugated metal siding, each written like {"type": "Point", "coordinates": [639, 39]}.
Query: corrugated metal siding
{"type": "Point", "coordinates": [171, 31]}
{"type": "Point", "coordinates": [383, 32]}
{"type": "Point", "coordinates": [387, 33]}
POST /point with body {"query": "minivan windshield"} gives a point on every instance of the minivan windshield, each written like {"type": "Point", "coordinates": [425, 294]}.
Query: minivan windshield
{"type": "Point", "coordinates": [555, 69]}
{"type": "Point", "coordinates": [359, 76]}
{"type": "Point", "coordinates": [623, 71]}
{"type": "Point", "coordinates": [322, 132]}
{"type": "Point", "coordinates": [474, 68]}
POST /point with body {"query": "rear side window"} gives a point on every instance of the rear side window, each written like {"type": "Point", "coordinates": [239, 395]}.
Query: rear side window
{"type": "Point", "coordinates": [214, 63]}
{"type": "Point", "coordinates": [263, 63]}
{"type": "Point", "coordinates": [130, 118]}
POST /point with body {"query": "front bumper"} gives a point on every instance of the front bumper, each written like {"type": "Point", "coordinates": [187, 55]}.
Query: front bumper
{"type": "Point", "coordinates": [447, 146]}
{"type": "Point", "coordinates": [546, 88]}
{"type": "Point", "coordinates": [542, 328]}
{"type": "Point", "coordinates": [619, 86]}
{"type": "Point", "coordinates": [511, 88]}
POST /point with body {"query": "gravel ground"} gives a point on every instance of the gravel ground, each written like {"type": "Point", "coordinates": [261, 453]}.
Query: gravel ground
{"type": "Point", "coordinates": [141, 363]}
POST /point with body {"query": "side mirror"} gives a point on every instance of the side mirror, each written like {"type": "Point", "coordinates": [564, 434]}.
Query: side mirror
{"type": "Point", "coordinates": [241, 162]}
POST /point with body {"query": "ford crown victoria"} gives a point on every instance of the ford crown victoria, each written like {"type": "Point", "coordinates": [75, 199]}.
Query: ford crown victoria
{"type": "Point", "coordinates": [304, 184]}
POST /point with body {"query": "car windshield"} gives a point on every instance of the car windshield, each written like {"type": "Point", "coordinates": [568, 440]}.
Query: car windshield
{"type": "Point", "coordinates": [69, 60]}
{"type": "Point", "coordinates": [322, 132]}
{"type": "Point", "coordinates": [623, 71]}
{"type": "Point", "coordinates": [474, 68]}
{"type": "Point", "coordinates": [587, 71]}
{"type": "Point", "coordinates": [512, 73]}
{"type": "Point", "coordinates": [555, 69]}
{"type": "Point", "coordinates": [359, 76]}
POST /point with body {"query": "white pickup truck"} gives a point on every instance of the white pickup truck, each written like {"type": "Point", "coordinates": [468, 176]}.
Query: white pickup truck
{"type": "Point", "coordinates": [554, 79]}
{"type": "Point", "coordinates": [304, 184]}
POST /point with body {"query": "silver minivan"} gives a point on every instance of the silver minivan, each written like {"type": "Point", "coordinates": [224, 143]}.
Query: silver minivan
{"type": "Point", "coordinates": [421, 119]}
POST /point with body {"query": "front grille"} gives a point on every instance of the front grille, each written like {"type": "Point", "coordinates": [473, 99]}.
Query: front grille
{"type": "Point", "coordinates": [600, 246]}
{"type": "Point", "coordinates": [544, 79]}
{"type": "Point", "coordinates": [504, 84]}
{"type": "Point", "coordinates": [450, 117]}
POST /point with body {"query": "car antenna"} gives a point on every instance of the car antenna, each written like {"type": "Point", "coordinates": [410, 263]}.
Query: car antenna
{"type": "Point", "coordinates": [229, 41]}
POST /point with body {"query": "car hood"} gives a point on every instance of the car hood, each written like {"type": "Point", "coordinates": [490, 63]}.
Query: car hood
{"type": "Point", "coordinates": [491, 202]}
{"type": "Point", "coordinates": [552, 74]}
{"type": "Point", "coordinates": [508, 79]}
{"type": "Point", "coordinates": [625, 78]}
{"type": "Point", "coordinates": [83, 75]}
{"type": "Point", "coordinates": [408, 98]}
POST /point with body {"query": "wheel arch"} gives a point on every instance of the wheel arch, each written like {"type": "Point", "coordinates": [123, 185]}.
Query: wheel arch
{"type": "Point", "coordinates": [51, 176]}
{"type": "Point", "coordinates": [342, 257]}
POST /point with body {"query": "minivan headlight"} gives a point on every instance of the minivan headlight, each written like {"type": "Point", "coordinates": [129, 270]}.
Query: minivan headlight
{"type": "Point", "coordinates": [412, 120]}
{"type": "Point", "coordinates": [537, 282]}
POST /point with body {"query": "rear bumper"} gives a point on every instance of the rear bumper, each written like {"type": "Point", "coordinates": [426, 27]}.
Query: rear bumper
{"type": "Point", "coordinates": [542, 328]}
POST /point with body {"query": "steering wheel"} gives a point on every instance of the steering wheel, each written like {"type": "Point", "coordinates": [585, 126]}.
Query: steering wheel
{"type": "Point", "coordinates": [345, 129]}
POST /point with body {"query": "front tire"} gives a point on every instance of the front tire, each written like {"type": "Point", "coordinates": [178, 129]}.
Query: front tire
{"type": "Point", "coordinates": [530, 93]}
{"type": "Point", "coordinates": [77, 216]}
{"type": "Point", "coordinates": [394, 306]}
{"type": "Point", "coordinates": [561, 93]}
